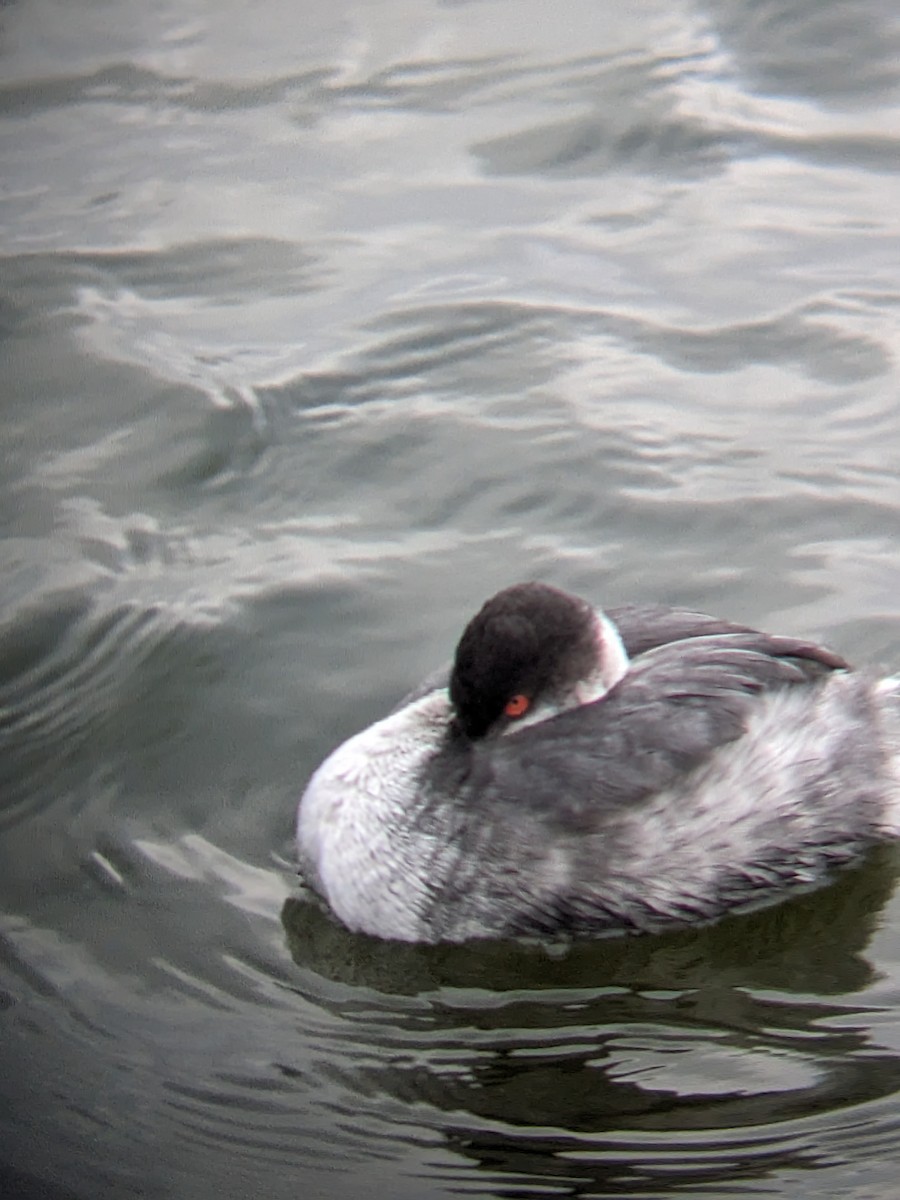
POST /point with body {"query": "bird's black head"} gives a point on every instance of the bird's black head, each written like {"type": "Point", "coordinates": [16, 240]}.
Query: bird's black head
{"type": "Point", "coordinates": [527, 642]}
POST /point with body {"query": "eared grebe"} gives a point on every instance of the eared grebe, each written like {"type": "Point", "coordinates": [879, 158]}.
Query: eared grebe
{"type": "Point", "coordinates": [581, 772]}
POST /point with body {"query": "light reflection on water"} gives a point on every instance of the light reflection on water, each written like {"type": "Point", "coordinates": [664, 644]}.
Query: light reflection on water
{"type": "Point", "coordinates": [320, 324]}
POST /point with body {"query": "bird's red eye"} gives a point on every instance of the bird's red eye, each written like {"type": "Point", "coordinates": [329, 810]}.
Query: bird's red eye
{"type": "Point", "coordinates": [517, 706]}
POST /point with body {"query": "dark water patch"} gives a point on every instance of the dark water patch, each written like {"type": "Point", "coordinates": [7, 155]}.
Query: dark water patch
{"type": "Point", "coordinates": [229, 270]}
{"type": "Point", "coordinates": [840, 52]}
{"type": "Point", "coordinates": [36, 635]}
{"type": "Point", "coordinates": [221, 446]}
{"type": "Point", "coordinates": [98, 487]}
{"type": "Point", "coordinates": [869, 152]}
{"type": "Point", "coordinates": [26, 1186]}
{"type": "Point", "coordinates": [83, 669]}
{"type": "Point", "coordinates": [875, 640]}
{"type": "Point", "coordinates": [820, 351]}
{"type": "Point", "coordinates": [599, 145]}
{"type": "Point", "coordinates": [130, 85]}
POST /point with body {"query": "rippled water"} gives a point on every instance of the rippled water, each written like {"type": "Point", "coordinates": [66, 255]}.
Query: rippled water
{"type": "Point", "coordinates": [320, 323]}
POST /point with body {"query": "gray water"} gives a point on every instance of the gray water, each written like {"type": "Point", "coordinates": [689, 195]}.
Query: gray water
{"type": "Point", "coordinates": [321, 322]}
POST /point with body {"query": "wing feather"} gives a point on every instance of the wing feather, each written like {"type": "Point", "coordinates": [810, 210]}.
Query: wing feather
{"type": "Point", "coordinates": [679, 702]}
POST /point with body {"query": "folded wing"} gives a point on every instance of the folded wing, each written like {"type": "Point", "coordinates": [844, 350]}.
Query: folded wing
{"type": "Point", "coordinates": [680, 701]}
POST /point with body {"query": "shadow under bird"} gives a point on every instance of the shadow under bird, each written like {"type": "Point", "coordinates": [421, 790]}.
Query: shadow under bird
{"type": "Point", "coordinates": [578, 771]}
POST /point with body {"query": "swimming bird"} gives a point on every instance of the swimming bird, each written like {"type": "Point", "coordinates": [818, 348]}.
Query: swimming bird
{"type": "Point", "coordinates": [577, 772]}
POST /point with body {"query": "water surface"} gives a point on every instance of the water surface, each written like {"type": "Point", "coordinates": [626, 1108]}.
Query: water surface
{"type": "Point", "coordinates": [319, 324]}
